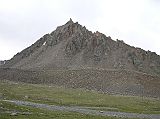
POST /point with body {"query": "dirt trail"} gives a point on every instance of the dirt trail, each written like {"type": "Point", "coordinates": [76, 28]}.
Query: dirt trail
{"type": "Point", "coordinates": [84, 110]}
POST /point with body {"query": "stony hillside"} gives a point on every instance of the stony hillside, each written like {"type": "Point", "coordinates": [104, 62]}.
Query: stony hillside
{"type": "Point", "coordinates": [72, 46]}
{"type": "Point", "coordinates": [121, 82]}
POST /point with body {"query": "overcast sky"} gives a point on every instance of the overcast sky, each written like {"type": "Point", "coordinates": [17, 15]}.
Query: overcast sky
{"type": "Point", "coordinates": [22, 22]}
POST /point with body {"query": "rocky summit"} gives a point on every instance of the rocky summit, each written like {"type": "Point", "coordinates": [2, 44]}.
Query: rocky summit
{"type": "Point", "coordinates": [72, 46]}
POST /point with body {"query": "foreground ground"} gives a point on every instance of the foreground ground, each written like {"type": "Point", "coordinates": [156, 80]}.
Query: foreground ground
{"type": "Point", "coordinates": [12, 111]}
{"type": "Point", "coordinates": [68, 97]}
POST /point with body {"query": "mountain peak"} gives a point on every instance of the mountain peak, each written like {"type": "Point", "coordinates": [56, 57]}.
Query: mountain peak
{"type": "Point", "coordinates": [72, 56]}
{"type": "Point", "coordinates": [70, 21]}
{"type": "Point", "coordinates": [72, 45]}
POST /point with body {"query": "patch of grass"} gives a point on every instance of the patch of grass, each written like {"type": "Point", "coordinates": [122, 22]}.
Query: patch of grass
{"type": "Point", "coordinates": [79, 97]}
{"type": "Point", "coordinates": [42, 113]}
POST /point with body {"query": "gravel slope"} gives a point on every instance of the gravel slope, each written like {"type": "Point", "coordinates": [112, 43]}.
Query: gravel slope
{"type": "Point", "coordinates": [121, 82]}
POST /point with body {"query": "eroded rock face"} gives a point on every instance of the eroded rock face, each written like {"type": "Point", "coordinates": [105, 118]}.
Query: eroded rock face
{"type": "Point", "coordinates": [2, 62]}
{"type": "Point", "coordinates": [73, 46]}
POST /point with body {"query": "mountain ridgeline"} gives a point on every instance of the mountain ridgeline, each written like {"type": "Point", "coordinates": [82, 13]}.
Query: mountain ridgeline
{"type": "Point", "coordinates": [72, 46]}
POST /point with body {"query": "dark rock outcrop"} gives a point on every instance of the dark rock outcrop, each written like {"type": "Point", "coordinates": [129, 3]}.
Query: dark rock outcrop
{"type": "Point", "coordinates": [2, 62]}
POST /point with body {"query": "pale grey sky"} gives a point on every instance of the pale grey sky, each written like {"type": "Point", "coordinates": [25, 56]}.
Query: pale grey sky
{"type": "Point", "coordinates": [22, 22]}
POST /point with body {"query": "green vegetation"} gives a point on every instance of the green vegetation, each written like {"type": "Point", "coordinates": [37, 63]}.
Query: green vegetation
{"type": "Point", "coordinates": [79, 97]}
{"type": "Point", "coordinates": [34, 113]}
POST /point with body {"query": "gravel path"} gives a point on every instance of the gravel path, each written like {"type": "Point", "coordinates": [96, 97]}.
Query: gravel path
{"type": "Point", "coordinates": [84, 110]}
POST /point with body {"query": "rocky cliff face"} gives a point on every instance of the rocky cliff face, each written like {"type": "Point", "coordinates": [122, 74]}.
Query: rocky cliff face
{"type": "Point", "coordinates": [2, 62]}
{"type": "Point", "coordinates": [72, 46]}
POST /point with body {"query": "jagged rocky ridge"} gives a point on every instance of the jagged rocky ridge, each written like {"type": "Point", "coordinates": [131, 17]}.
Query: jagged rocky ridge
{"type": "Point", "coordinates": [72, 46]}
